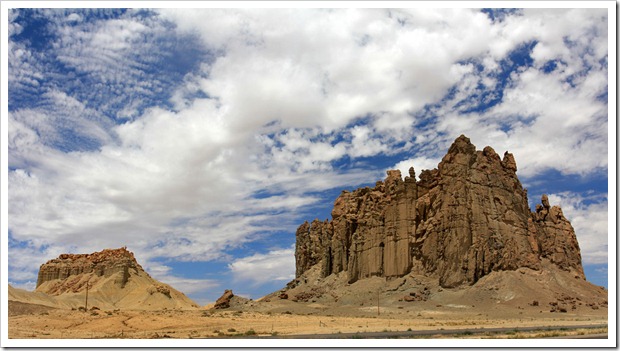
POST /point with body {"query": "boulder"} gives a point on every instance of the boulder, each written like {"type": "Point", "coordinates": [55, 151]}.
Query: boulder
{"type": "Point", "coordinates": [224, 300]}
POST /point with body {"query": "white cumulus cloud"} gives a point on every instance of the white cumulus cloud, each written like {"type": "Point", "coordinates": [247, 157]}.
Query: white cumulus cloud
{"type": "Point", "coordinates": [275, 265]}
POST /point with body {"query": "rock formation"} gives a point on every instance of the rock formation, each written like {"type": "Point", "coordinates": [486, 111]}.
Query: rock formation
{"type": "Point", "coordinates": [114, 280]}
{"type": "Point", "coordinates": [224, 300]}
{"type": "Point", "coordinates": [101, 264]}
{"type": "Point", "coordinates": [458, 222]}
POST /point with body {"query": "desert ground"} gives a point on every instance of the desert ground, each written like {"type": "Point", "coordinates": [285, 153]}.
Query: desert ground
{"type": "Point", "coordinates": [44, 322]}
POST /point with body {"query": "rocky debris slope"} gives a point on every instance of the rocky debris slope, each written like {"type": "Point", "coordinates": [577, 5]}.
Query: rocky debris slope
{"type": "Point", "coordinates": [113, 278]}
{"type": "Point", "coordinates": [518, 293]}
{"type": "Point", "coordinates": [459, 222]}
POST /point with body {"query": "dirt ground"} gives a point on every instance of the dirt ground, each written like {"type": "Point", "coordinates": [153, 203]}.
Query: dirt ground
{"type": "Point", "coordinates": [69, 324]}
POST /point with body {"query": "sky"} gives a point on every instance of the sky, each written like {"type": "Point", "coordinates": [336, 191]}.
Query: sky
{"type": "Point", "coordinates": [202, 138]}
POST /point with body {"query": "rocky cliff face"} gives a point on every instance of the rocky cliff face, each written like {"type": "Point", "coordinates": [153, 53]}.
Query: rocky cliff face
{"type": "Point", "coordinates": [101, 264]}
{"type": "Point", "coordinates": [459, 222]}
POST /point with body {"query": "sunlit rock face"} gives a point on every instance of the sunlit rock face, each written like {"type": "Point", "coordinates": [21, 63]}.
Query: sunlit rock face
{"type": "Point", "coordinates": [458, 222]}
{"type": "Point", "coordinates": [119, 262]}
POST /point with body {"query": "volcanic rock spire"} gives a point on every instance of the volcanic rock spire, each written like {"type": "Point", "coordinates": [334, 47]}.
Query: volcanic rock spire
{"type": "Point", "coordinates": [458, 222]}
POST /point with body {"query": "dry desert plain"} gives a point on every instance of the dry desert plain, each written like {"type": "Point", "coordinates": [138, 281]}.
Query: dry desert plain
{"type": "Point", "coordinates": [371, 305]}
{"type": "Point", "coordinates": [223, 324]}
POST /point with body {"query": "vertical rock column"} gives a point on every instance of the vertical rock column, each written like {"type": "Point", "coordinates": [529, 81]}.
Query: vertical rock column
{"type": "Point", "coordinates": [556, 237]}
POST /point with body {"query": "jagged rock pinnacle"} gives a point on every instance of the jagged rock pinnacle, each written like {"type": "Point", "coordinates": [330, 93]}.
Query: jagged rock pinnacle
{"type": "Point", "coordinates": [459, 222]}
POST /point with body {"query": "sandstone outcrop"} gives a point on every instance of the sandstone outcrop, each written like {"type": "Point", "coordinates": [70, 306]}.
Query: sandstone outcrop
{"type": "Point", "coordinates": [458, 222]}
{"type": "Point", "coordinates": [224, 300]}
{"type": "Point", "coordinates": [113, 278]}
{"type": "Point", "coordinates": [101, 264]}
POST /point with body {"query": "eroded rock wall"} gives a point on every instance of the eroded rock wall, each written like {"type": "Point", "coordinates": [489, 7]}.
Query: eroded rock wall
{"type": "Point", "coordinates": [459, 222]}
{"type": "Point", "coordinates": [102, 264]}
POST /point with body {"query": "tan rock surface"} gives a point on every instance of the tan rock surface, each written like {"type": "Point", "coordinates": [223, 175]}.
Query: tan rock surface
{"type": "Point", "coordinates": [114, 280]}
{"type": "Point", "coordinates": [224, 300]}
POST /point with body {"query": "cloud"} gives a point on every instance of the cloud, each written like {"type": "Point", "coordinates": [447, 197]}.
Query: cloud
{"type": "Point", "coordinates": [258, 269]}
{"type": "Point", "coordinates": [188, 286]}
{"type": "Point", "coordinates": [602, 270]}
{"type": "Point", "coordinates": [74, 17]}
{"type": "Point", "coordinates": [64, 123]}
{"type": "Point", "coordinates": [25, 285]}
{"type": "Point", "coordinates": [550, 119]}
{"type": "Point", "coordinates": [22, 267]}
{"type": "Point", "coordinates": [338, 78]}
{"type": "Point", "coordinates": [115, 62]}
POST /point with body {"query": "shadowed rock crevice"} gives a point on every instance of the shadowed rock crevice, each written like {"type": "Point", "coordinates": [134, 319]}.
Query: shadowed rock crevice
{"type": "Point", "coordinates": [458, 222]}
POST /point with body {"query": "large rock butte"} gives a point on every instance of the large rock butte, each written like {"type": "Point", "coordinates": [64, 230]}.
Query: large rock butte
{"type": "Point", "coordinates": [458, 222]}
{"type": "Point", "coordinates": [114, 280]}
{"type": "Point", "coordinates": [118, 262]}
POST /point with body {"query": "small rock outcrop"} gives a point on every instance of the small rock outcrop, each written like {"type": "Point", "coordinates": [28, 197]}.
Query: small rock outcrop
{"type": "Point", "coordinates": [158, 288]}
{"type": "Point", "coordinates": [458, 222]}
{"type": "Point", "coordinates": [224, 300]}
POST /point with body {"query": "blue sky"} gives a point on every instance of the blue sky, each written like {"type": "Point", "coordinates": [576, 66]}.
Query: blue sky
{"type": "Point", "coordinates": [201, 138]}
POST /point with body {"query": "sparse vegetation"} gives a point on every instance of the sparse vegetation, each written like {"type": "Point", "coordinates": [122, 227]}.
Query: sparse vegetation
{"type": "Point", "coordinates": [284, 317]}
{"type": "Point", "coordinates": [547, 335]}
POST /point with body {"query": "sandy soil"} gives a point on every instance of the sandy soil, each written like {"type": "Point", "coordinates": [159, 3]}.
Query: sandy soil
{"type": "Point", "coordinates": [522, 298]}
{"type": "Point", "coordinates": [57, 323]}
